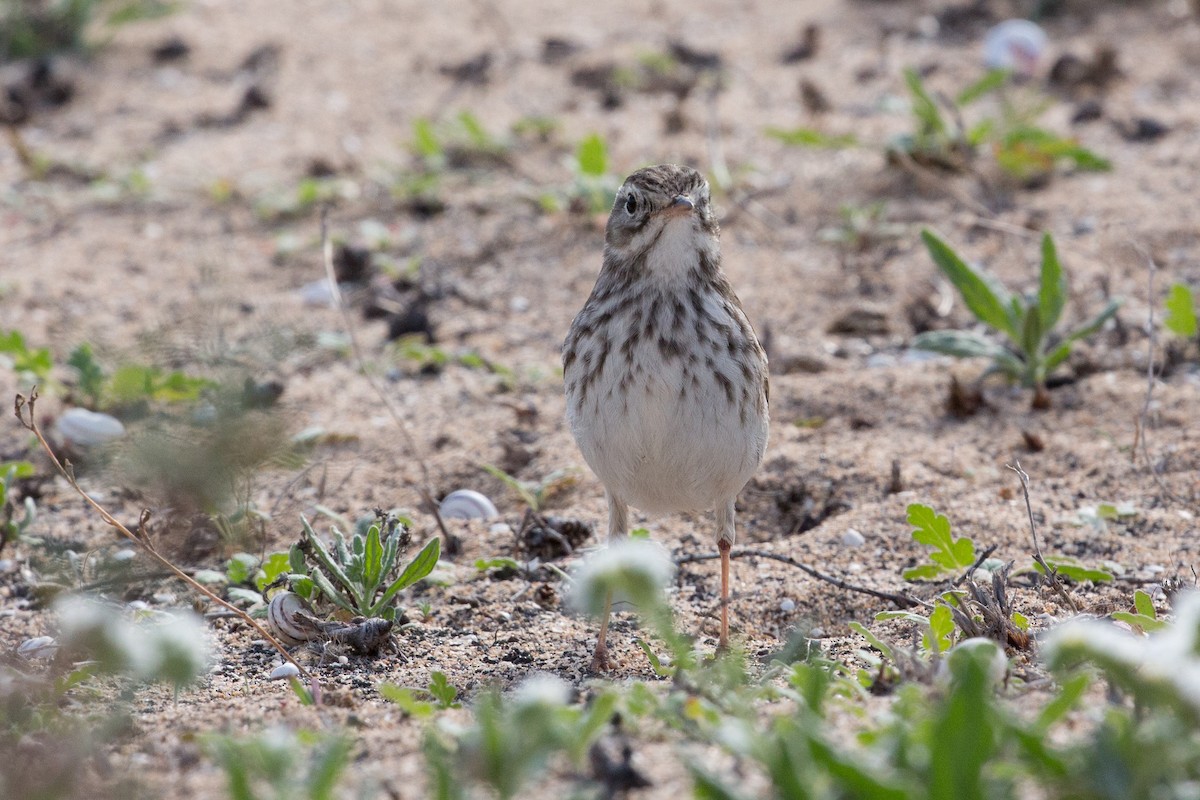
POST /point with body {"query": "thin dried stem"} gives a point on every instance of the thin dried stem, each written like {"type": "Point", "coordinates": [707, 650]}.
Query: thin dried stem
{"type": "Point", "coordinates": [1051, 573]}
{"type": "Point", "coordinates": [141, 538]}
{"type": "Point", "coordinates": [425, 488]}
{"type": "Point", "coordinates": [902, 600]}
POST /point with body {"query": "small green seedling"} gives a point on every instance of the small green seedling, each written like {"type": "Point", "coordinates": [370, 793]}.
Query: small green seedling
{"type": "Point", "coordinates": [279, 763]}
{"type": "Point", "coordinates": [1143, 618]}
{"type": "Point", "coordinates": [13, 529]}
{"type": "Point", "coordinates": [949, 554]}
{"type": "Point", "coordinates": [440, 693]}
{"type": "Point", "coordinates": [1025, 151]}
{"type": "Point", "coordinates": [595, 186]}
{"type": "Point", "coordinates": [534, 495]}
{"type": "Point", "coordinates": [1181, 312]}
{"type": "Point", "coordinates": [359, 575]}
{"type": "Point", "coordinates": [937, 630]}
{"type": "Point", "coordinates": [1033, 350]}
{"type": "Point", "coordinates": [31, 366]}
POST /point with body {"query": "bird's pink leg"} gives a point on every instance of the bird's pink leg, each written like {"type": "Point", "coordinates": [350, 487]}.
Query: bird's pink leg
{"type": "Point", "coordinates": [725, 536]}
{"type": "Point", "coordinates": [618, 526]}
{"type": "Point", "coordinates": [723, 643]}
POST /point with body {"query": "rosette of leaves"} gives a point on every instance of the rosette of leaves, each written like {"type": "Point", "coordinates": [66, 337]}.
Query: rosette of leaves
{"type": "Point", "coordinates": [1030, 347]}
{"type": "Point", "coordinates": [363, 573]}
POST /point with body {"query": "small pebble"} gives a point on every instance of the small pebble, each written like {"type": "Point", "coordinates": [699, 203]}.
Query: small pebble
{"type": "Point", "coordinates": [287, 670]}
{"type": "Point", "coordinates": [787, 605]}
{"type": "Point", "coordinates": [852, 538]}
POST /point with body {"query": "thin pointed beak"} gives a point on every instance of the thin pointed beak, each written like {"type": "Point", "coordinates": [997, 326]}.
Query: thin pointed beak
{"type": "Point", "coordinates": [682, 205]}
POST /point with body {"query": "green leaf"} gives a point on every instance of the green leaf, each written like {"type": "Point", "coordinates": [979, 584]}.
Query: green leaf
{"type": "Point", "coordinates": [1181, 311]}
{"type": "Point", "coordinates": [592, 156]}
{"type": "Point", "coordinates": [655, 663]}
{"type": "Point", "coordinates": [988, 302]}
{"type": "Point", "coordinates": [1139, 621]}
{"type": "Point", "coordinates": [442, 691]}
{"type": "Point", "coordinates": [338, 596]}
{"type": "Point", "coordinates": [91, 376]}
{"type": "Point", "coordinates": [407, 700]}
{"type": "Point", "coordinates": [332, 566]}
{"type": "Point", "coordinates": [941, 629]}
{"type": "Point", "coordinates": [1061, 353]}
{"type": "Point", "coordinates": [926, 572]}
{"type": "Point", "coordinates": [933, 529]}
{"type": "Point", "coordinates": [808, 137]}
{"type": "Point", "coordinates": [1060, 704]}
{"type": "Point", "coordinates": [1052, 291]}
{"type": "Point", "coordinates": [1143, 604]}
{"type": "Point", "coordinates": [425, 141]}
{"type": "Point", "coordinates": [500, 562]}
{"type": "Point", "coordinates": [1073, 570]}
{"type": "Point", "coordinates": [372, 562]}
{"type": "Point", "coordinates": [966, 344]}
{"type": "Point", "coordinates": [276, 564]}
{"type": "Point", "coordinates": [873, 640]}
{"type": "Point", "coordinates": [923, 106]}
{"type": "Point", "coordinates": [241, 568]}
{"type": "Point", "coordinates": [990, 82]}
{"type": "Point", "coordinates": [529, 498]}
{"type": "Point", "coordinates": [417, 569]}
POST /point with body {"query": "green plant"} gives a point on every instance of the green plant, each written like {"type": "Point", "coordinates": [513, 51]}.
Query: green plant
{"type": "Point", "coordinates": [279, 763]}
{"type": "Point", "coordinates": [1143, 618]}
{"type": "Point", "coordinates": [13, 529]}
{"type": "Point", "coordinates": [360, 576]}
{"type": "Point", "coordinates": [31, 29]}
{"type": "Point", "coordinates": [595, 186]}
{"type": "Point", "coordinates": [949, 554]}
{"type": "Point", "coordinates": [1025, 151]}
{"type": "Point", "coordinates": [1033, 350]}
{"type": "Point", "coordinates": [534, 495]}
{"type": "Point", "coordinates": [863, 226]}
{"type": "Point", "coordinates": [1181, 311]}
{"type": "Point", "coordinates": [31, 366]}
{"type": "Point", "coordinates": [441, 696]}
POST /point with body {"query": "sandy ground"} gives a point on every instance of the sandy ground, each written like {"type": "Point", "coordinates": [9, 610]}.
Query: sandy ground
{"type": "Point", "coordinates": [170, 257]}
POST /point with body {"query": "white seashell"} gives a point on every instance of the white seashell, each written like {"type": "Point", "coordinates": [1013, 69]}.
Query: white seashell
{"type": "Point", "coordinates": [787, 605]}
{"type": "Point", "coordinates": [467, 504]}
{"type": "Point", "coordinates": [318, 293]}
{"type": "Point", "coordinates": [1015, 44]}
{"type": "Point", "coordinates": [282, 620]}
{"type": "Point", "coordinates": [83, 428]}
{"type": "Point", "coordinates": [38, 647]}
{"type": "Point", "coordinates": [852, 538]}
{"type": "Point", "coordinates": [284, 671]}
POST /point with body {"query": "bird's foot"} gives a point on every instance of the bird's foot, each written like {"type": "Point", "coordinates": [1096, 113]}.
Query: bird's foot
{"type": "Point", "coordinates": [600, 662]}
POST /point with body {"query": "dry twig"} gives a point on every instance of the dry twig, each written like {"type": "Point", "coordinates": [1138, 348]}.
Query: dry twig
{"type": "Point", "coordinates": [1051, 573]}
{"type": "Point", "coordinates": [902, 600]}
{"type": "Point", "coordinates": [141, 538]}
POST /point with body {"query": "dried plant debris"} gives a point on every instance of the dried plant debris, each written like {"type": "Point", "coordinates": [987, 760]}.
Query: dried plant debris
{"type": "Point", "coordinates": [550, 538]}
{"type": "Point", "coordinates": [963, 400]}
{"type": "Point", "coordinates": [806, 48]}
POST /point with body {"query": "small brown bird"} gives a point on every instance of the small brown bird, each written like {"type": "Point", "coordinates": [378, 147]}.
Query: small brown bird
{"type": "Point", "coordinates": [666, 382]}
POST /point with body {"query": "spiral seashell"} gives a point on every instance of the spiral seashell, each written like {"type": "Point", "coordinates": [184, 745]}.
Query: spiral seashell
{"type": "Point", "coordinates": [286, 618]}
{"type": "Point", "coordinates": [467, 504]}
{"type": "Point", "coordinates": [83, 428]}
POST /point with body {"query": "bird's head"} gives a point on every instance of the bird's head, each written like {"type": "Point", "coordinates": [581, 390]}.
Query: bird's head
{"type": "Point", "coordinates": [655, 199]}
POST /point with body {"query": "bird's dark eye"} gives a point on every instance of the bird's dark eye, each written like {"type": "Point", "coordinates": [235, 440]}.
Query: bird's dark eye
{"type": "Point", "coordinates": [631, 204]}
